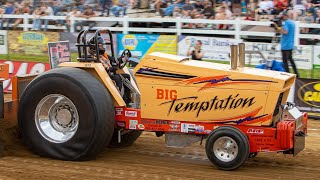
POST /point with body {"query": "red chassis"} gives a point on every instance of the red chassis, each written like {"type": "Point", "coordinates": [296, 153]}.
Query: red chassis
{"type": "Point", "coordinates": [285, 137]}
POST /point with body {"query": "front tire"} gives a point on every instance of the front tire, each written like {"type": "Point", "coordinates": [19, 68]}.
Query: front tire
{"type": "Point", "coordinates": [67, 114]}
{"type": "Point", "coordinates": [227, 148]}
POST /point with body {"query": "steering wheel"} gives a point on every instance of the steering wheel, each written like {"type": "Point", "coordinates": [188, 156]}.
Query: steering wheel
{"type": "Point", "coordinates": [124, 58]}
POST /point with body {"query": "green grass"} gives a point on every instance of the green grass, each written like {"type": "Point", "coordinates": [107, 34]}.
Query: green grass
{"type": "Point", "coordinates": [44, 58]}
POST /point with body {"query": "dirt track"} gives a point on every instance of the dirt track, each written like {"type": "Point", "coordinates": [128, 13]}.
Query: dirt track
{"type": "Point", "coordinates": [148, 158]}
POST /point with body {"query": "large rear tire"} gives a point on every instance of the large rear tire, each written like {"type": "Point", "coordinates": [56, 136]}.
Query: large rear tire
{"type": "Point", "coordinates": [66, 113]}
{"type": "Point", "coordinates": [126, 139]}
{"type": "Point", "coordinates": [227, 148]}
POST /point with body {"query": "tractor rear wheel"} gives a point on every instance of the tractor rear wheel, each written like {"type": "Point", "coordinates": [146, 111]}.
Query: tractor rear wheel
{"type": "Point", "coordinates": [227, 148]}
{"type": "Point", "coordinates": [66, 113]}
{"type": "Point", "coordinates": [126, 139]}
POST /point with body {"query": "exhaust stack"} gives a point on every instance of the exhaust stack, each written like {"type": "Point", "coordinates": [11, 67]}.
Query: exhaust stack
{"type": "Point", "coordinates": [242, 55]}
{"type": "Point", "coordinates": [234, 57]}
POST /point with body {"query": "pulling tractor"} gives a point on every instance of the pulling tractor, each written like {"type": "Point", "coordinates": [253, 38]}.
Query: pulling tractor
{"type": "Point", "coordinates": [73, 112]}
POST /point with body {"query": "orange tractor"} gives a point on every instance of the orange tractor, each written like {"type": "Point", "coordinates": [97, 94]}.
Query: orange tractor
{"type": "Point", "coordinates": [73, 112]}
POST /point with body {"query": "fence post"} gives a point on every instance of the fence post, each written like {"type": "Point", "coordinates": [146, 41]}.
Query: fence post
{"type": "Point", "coordinates": [179, 26]}
{"type": "Point", "coordinates": [72, 22]}
{"type": "Point", "coordinates": [297, 34]}
{"type": "Point", "coordinates": [25, 22]}
{"type": "Point", "coordinates": [125, 25]}
{"type": "Point", "coordinates": [238, 29]}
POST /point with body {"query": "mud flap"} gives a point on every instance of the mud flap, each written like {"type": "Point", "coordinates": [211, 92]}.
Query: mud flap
{"type": "Point", "coordinates": [299, 142]}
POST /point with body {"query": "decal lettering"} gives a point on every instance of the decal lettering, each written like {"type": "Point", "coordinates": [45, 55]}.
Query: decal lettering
{"type": "Point", "coordinates": [131, 114]}
{"type": "Point", "coordinates": [166, 94]}
{"type": "Point", "coordinates": [188, 104]}
{"type": "Point", "coordinates": [255, 131]}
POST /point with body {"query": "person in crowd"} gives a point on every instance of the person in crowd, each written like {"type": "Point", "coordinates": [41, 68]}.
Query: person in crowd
{"type": "Point", "coordinates": [198, 5]}
{"type": "Point", "coordinates": [177, 12]}
{"type": "Point", "coordinates": [22, 8]}
{"type": "Point", "coordinates": [75, 12]}
{"type": "Point", "coordinates": [188, 6]}
{"type": "Point", "coordinates": [264, 10]}
{"type": "Point", "coordinates": [106, 4]}
{"type": "Point", "coordinates": [9, 9]}
{"type": "Point", "coordinates": [298, 9]}
{"type": "Point", "coordinates": [158, 4]}
{"type": "Point", "coordinates": [314, 7]}
{"type": "Point", "coordinates": [37, 13]}
{"type": "Point", "coordinates": [169, 10]}
{"type": "Point", "coordinates": [306, 19]}
{"type": "Point", "coordinates": [236, 7]}
{"type": "Point", "coordinates": [121, 6]}
{"type": "Point", "coordinates": [208, 11]}
{"type": "Point", "coordinates": [196, 52]}
{"type": "Point", "coordinates": [48, 11]}
{"type": "Point", "coordinates": [287, 41]}
{"type": "Point", "coordinates": [87, 14]}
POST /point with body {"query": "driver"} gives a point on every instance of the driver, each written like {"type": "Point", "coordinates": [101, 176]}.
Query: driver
{"type": "Point", "coordinates": [111, 64]}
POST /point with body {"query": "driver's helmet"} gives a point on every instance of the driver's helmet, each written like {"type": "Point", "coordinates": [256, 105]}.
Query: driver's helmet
{"type": "Point", "coordinates": [101, 42]}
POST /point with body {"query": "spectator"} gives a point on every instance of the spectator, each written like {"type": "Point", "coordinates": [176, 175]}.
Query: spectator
{"type": "Point", "coordinates": [48, 11]}
{"type": "Point", "coordinates": [222, 15]}
{"type": "Point", "coordinates": [121, 6]}
{"type": "Point", "coordinates": [306, 19]}
{"type": "Point", "coordinates": [105, 4]}
{"type": "Point", "coordinates": [88, 13]}
{"type": "Point", "coordinates": [177, 12]}
{"type": "Point", "coordinates": [169, 10]}
{"type": "Point", "coordinates": [315, 5]}
{"type": "Point", "coordinates": [196, 53]}
{"type": "Point", "coordinates": [287, 41]}
{"type": "Point", "coordinates": [9, 9]}
{"type": "Point", "coordinates": [279, 6]}
{"type": "Point", "coordinates": [208, 11]}
{"type": "Point", "coordinates": [160, 4]}
{"type": "Point", "coordinates": [37, 13]}
{"type": "Point", "coordinates": [188, 6]}
{"type": "Point", "coordinates": [198, 5]}
{"type": "Point", "coordinates": [264, 10]}
{"type": "Point", "coordinates": [298, 9]}
{"type": "Point", "coordinates": [236, 6]}
{"type": "Point", "coordinates": [75, 13]}
{"type": "Point", "coordinates": [22, 8]}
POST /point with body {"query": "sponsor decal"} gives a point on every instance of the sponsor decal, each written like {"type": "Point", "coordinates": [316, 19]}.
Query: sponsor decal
{"type": "Point", "coordinates": [166, 94]}
{"type": "Point", "coordinates": [207, 131]}
{"type": "Point", "coordinates": [131, 114]}
{"type": "Point", "coordinates": [141, 126]}
{"type": "Point", "coordinates": [133, 124]}
{"type": "Point", "coordinates": [59, 52]}
{"type": "Point", "coordinates": [255, 131]}
{"type": "Point", "coordinates": [119, 111]}
{"type": "Point", "coordinates": [187, 128]}
{"type": "Point", "coordinates": [174, 122]}
{"type": "Point", "coordinates": [121, 124]}
{"type": "Point", "coordinates": [174, 126]}
{"type": "Point", "coordinates": [200, 129]}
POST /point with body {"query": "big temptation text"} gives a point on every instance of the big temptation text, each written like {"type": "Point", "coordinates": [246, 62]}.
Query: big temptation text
{"type": "Point", "coordinates": [188, 104]}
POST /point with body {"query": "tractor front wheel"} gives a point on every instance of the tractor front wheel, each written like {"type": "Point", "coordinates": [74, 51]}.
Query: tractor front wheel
{"type": "Point", "coordinates": [227, 148]}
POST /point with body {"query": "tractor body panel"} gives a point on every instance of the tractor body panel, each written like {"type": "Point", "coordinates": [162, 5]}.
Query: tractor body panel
{"type": "Point", "coordinates": [196, 91]}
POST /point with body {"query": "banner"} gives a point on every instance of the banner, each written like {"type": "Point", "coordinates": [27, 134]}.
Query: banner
{"type": "Point", "coordinates": [302, 55]}
{"type": "Point", "coordinates": [72, 38]}
{"type": "Point", "coordinates": [142, 44]}
{"type": "Point", "coordinates": [307, 97]}
{"type": "Point", "coordinates": [3, 42]}
{"type": "Point", "coordinates": [316, 57]}
{"type": "Point", "coordinates": [59, 52]}
{"type": "Point", "coordinates": [33, 43]}
{"type": "Point", "coordinates": [213, 48]}
{"type": "Point", "coordinates": [22, 68]}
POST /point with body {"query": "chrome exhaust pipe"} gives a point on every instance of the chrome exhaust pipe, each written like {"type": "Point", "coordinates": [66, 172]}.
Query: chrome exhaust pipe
{"type": "Point", "coordinates": [234, 57]}
{"type": "Point", "coordinates": [242, 55]}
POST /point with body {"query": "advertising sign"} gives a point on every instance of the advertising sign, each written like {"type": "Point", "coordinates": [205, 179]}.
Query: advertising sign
{"type": "Point", "coordinates": [307, 96]}
{"type": "Point", "coordinates": [316, 57]}
{"type": "Point", "coordinates": [3, 42]}
{"type": "Point", "coordinates": [33, 43]}
{"type": "Point", "coordinates": [302, 55]}
{"type": "Point", "coordinates": [59, 52]}
{"type": "Point", "coordinates": [212, 48]}
{"type": "Point", "coordinates": [22, 68]}
{"type": "Point", "coordinates": [72, 38]}
{"type": "Point", "coordinates": [142, 44]}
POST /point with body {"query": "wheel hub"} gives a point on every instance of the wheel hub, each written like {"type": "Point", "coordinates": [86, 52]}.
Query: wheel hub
{"type": "Point", "coordinates": [56, 118]}
{"type": "Point", "coordinates": [225, 149]}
